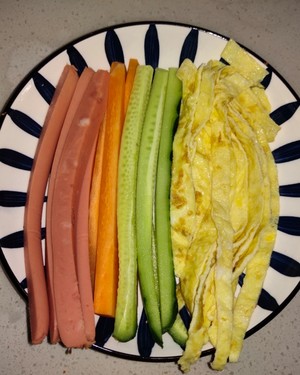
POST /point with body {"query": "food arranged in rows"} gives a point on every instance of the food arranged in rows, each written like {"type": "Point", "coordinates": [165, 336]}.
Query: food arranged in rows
{"type": "Point", "coordinates": [159, 182]}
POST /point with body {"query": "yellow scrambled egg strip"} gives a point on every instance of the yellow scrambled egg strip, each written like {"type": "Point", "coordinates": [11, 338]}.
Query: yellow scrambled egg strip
{"type": "Point", "coordinates": [199, 149]}
{"type": "Point", "coordinates": [200, 323]}
{"type": "Point", "coordinates": [257, 266]}
{"type": "Point", "coordinates": [182, 196]}
{"type": "Point", "coordinates": [245, 64]}
{"type": "Point", "coordinates": [221, 157]}
{"type": "Point", "coordinates": [257, 178]}
{"type": "Point", "coordinates": [224, 200]}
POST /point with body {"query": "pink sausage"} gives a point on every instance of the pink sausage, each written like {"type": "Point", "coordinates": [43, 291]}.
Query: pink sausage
{"type": "Point", "coordinates": [82, 250]}
{"type": "Point", "coordinates": [77, 97]}
{"type": "Point", "coordinates": [65, 200]}
{"type": "Point", "coordinates": [33, 257]}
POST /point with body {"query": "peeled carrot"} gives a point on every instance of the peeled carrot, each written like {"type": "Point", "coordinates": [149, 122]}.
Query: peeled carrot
{"type": "Point", "coordinates": [36, 280]}
{"type": "Point", "coordinates": [97, 172]}
{"type": "Point", "coordinates": [106, 275]}
{"type": "Point", "coordinates": [68, 180]}
{"type": "Point", "coordinates": [132, 65]}
{"type": "Point", "coordinates": [76, 99]}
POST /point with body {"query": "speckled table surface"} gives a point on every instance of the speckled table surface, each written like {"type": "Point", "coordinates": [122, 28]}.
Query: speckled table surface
{"type": "Point", "coordinates": [29, 31]}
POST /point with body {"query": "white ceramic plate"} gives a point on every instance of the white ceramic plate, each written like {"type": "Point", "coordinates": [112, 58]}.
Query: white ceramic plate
{"type": "Point", "coordinates": [164, 45]}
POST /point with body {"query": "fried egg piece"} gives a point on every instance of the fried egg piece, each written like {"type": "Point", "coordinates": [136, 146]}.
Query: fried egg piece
{"type": "Point", "coordinates": [237, 240]}
{"type": "Point", "coordinates": [257, 266]}
{"type": "Point", "coordinates": [253, 109]}
{"type": "Point", "coordinates": [221, 182]}
{"type": "Point", "coordinates": [204, 238]}
{"type": "Point", "coordinates": [182, 198]}
{"type": "Point", "coordinates": [198, 330]}
{"type": "Point", "coordinates": [238, 58]}
{"type": "Point", "coordinates": [256, 177]}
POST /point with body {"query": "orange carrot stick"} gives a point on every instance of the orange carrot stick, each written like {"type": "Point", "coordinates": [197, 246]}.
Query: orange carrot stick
{"type": "Point", "coordinates": [36, 280]}
{"type": "Point", "coordinates": [96, 179]}
{"type": "Point", "coordinates": [133, 64]}
{"type": "Point", "coordinates": [106, 276]}
{"type": "Point", "coordinates": [66, 195]}
{"type": "Point", "coordinates": [77, 97]}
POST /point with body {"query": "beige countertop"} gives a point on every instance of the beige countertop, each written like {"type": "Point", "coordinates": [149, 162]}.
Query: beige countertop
{"type": "Point", "coordinates": [29, 31]}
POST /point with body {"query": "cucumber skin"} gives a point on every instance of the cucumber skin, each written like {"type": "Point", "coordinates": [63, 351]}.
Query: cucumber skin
{"type": "Point", "coordinates": [166, 274]}
{"type": "Point", "coordinates": [126, 310]}
{"type": "Point", "coordinates": [145, 200]}
{"type": "Point", "coordinates": [179, 332]}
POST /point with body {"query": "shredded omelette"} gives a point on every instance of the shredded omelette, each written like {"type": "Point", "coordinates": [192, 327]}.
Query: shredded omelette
{"type": "Point", "coordinates": [224, 200]}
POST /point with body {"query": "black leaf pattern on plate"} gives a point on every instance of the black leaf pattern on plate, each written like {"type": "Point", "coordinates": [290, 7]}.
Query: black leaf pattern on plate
{"type": "Point", "coordinates": [113, 47]}
{"type": "Point", "coordinates": [44, 87]}
{"type": "Point", "coordinates": [15, 159]}
{"type": "Point", "coordinates": [284, 113]}
{"type": "Point", "coordinates": [265, 300]}
{"type": "Point", "coordinates": [104, 329]}
{"type": "Point", "coordinates": [23, 283]}
{"type": "Point", "coordinates": [16, 240]}
{"type": "Point", "coordinates": [76, 59]}
{"type": "Point", "coordinates": [287, 152]}
{"type": "Point", "coordinates": [185, 316]}
{"type": "Point", "coordinates": [190, 46]}
{"type": "Point", "coordinates": [13, 241]}
{"type": "Point", "coordinates": [223, 61]}
{"type": "Point", "coordinates": [151, 46]}
{"type": "Point", "coordinates": [289, 225]}
{"type": "Point", "coordinates": [10, 198]}
{"type": "Point", "coordinates": [292, 190]}
{"type": "Point", "coordinates": [285, 265]}
{"type": "Point", "coordinates": [266, 81]}
{"type": "Point", "coordinates": [25, 122]}
{"type": "Point", "coordinates": [145, 340]}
